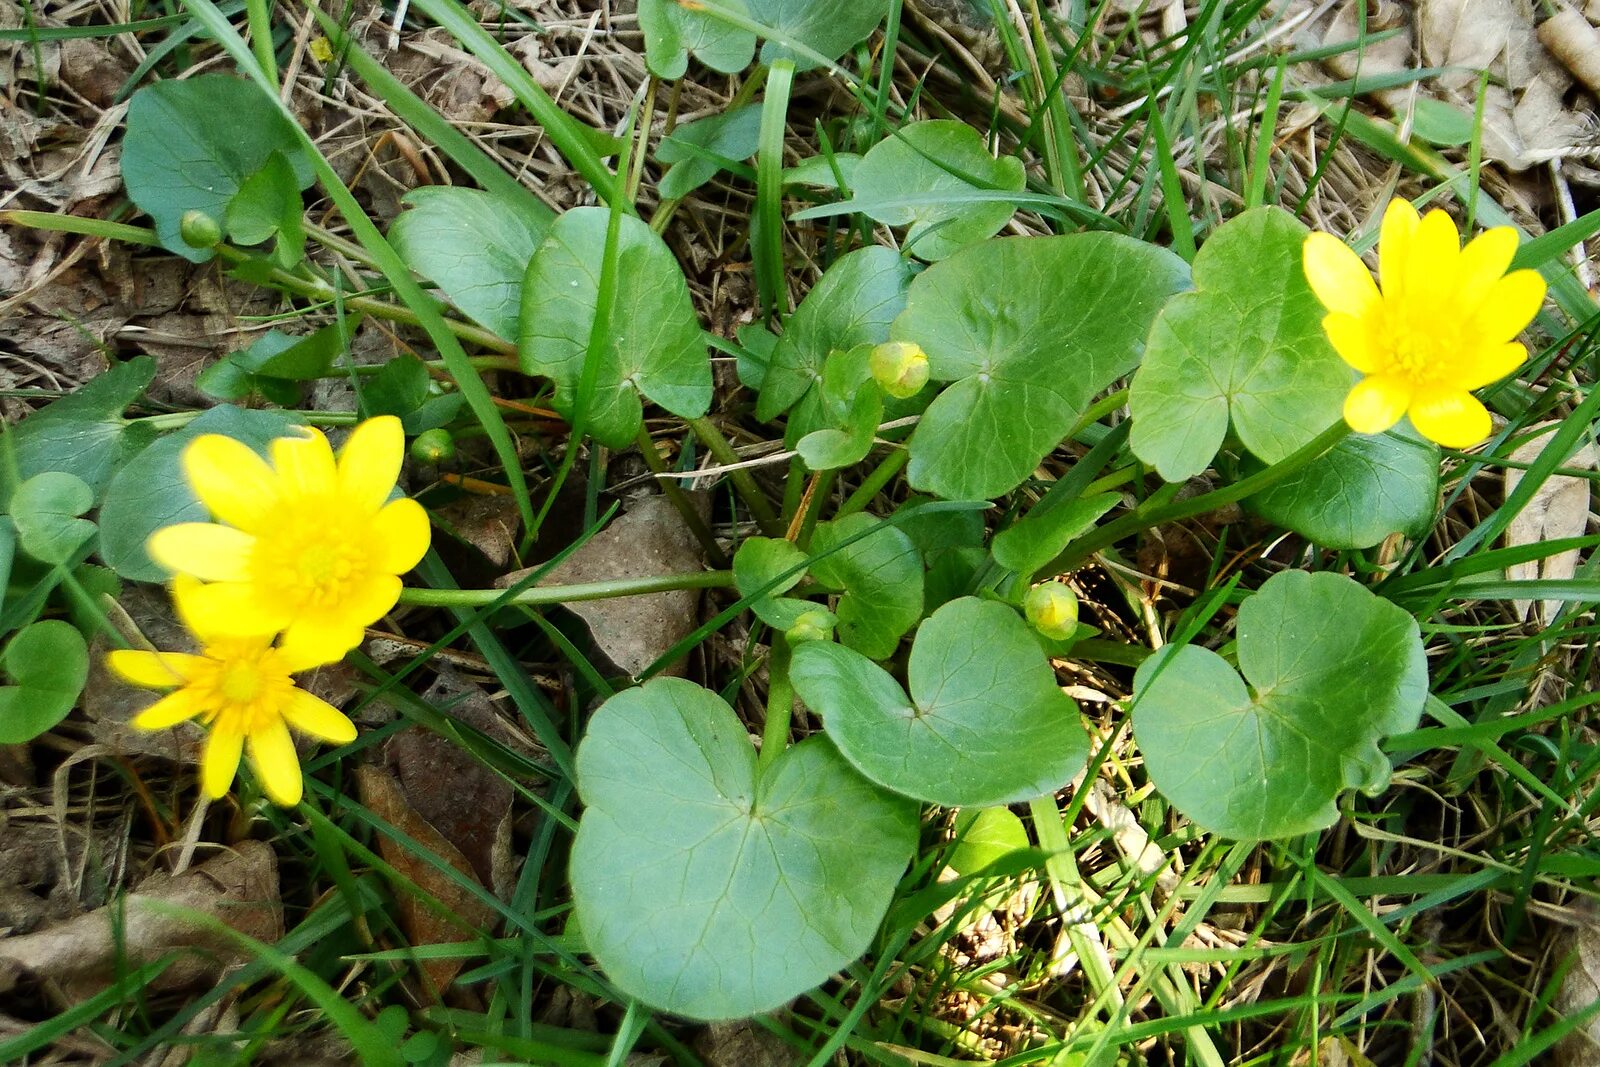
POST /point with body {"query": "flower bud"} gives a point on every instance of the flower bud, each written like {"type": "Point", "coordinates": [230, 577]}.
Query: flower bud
{"type": "Point", "coordinates": [811, 626]}
{"type": "Point", "coordinates": [199, 230]}
{"type": "Point", "coordinates": [434, 446]}
{"type": "Point", "coordinates": [1052, 609]}
{"type": "Point", "coordinates": [900, 368]}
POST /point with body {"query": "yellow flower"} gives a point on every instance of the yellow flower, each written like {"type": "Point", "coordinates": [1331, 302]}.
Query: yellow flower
{"type": "Point", "coordinates": [1444, 322]}
{"type": "Point", "coordinates": [241, 688]}
{"type": "Point", "coordinates": [308, 546]}
{"type": "Point", "coordinates": [1052, 608]}
{"type": "Point", "coordinates": [900, 368]}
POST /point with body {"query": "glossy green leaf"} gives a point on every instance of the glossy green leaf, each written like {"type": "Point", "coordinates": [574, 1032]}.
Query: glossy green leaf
{"type": "Point", "coordinates": [403, 388]}
{"type": "Point", "coordinates": [151, 491]}
{"type": "Point", "coordinates": [879, 578]}
{"type": "Point", "coordinates": [46, 510]}
{"type": "Point", "coordinates": [985, 836]}
{"type": "Point", "coordinates": [652, 343]}
{"type": "Point", "coordinates": [827, 27]}
{"type": "Point", "coordinates": [764, 559]}
{"type": "Point", "coordinates": [697, 150]}
{"type": "Point", "coordinates": [852, 304]}
{"type": "Point", "coordinates": [1366, 488]}
{"type": "Point", "coordinates": [1441, 123]}
{"type": "Point", "coordinates": [927, 161]}
{"type": "Point", "coordinates": [1041, 535]}
{"type": "Point", "coordinates": [475, 246]}
{"type": "Point", "coordinates": [83, 433]}
{"type": "Point", "coordinates": [268, 205]}
{"type": "Point", "coordinates": [48, 664]}
{"type": "Point", "coordinates": [276, 360]}
{"type": "Point", "coordinates": [1331, 670]}
{"type": "Point", "coordinates": [1247, 347]}
{"type": "Point", "coordinates": [1029, 330]}
{"type": "Point", "coordinates": [192, 143]}
{"type": "Point", "coordinates": [708, 888]}
{"type": "Point", "coordinates": [672, 31]}
{"type": "Point", "coordinates": [849, 409]}
{"type": "Point", "coordinates": [986, 723]}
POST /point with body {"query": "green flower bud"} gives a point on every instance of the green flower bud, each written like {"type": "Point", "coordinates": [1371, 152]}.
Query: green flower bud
{"type": "Point", "coordinates": [1052, 609]}
{"type": "Point", "coordinates": [900, 368]}
{"type": "Point", "coordinates": [433, 446]}
{"type": "Point", "coordinates": [811, 626]}
{"type": "Point", "coordinates": [199, 230]}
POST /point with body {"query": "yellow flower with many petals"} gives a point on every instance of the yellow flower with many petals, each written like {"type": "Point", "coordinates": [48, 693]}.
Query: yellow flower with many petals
{"type": "Point", "coordinates": [1444, 322]}
{"type": "Point", "coordinates": [310, 545]}
{"type": "Point", "coordinates": [242, 690]}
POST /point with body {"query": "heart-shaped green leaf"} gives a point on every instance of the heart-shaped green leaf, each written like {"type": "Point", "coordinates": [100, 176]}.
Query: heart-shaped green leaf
{"type": "Point", "coordinates": [651, 345]}
{"type": "Point", "coordinates": [1029, 329]}
{"type": "Point", "coordinates": [880, 577]}
{"type": "Point", "coordinates": [761, 560]}
{"type": "Point", "coordinates": [827, 27]}
{"type": "Point", "coordinates": [1367, 487]}
{"type": "Point", "coordinates": [48, 664]}
{"type": "Point", "coordinates": [1246, 346]}
{"type": "Point", "coordinates": [1045, 531]}
{"type": "Point", "coordinates": [850, 408]}
{"type": "Point", "coordinates": [673, 30]}
{"type": "Point", "coordinates": [985, 724]}
{"type": "Point", "coordinates": [402, 388]}
{"type": "Point", "coordinates": [918, 176]}
{"type": "Point", "coordinates": [697, 150]}
{"type": "Point", "coordinates": [193, 142]}
{"type": "Point", "coordinates": [707, 888]}
{"type": "Point", "coordinates": [1332, 669]}
{"type": "Point", "coordinates": [268, 205]}
{"type": "Point", "coordinates": [475, 246]}
{"type": "Point", "coordinates": [84, 432]}
{"type": "Point", "coordinates": [984, 836]}
{"type": "Point", "coordinates": [45, 509]}
{"type": "Point", "coordinates": [852, 304]}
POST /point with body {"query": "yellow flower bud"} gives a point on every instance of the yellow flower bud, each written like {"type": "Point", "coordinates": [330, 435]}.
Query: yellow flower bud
{"type": "Point", "coordinates": [811, 626]}
{"type": "Point", "coordinates": [1052, 608]}
{"type": "Point", "coordinates": [900, 368]}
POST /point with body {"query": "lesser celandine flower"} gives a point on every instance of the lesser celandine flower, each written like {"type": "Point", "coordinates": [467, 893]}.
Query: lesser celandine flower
{"type": "Point", "coordinates": [241, 689]}
{"type": "Point", "coordinates": [309, 545]}
{"type": "Point", "coordinates": [900, 368]}
{"type": "Point", "coordinates": [1052, 609]}
{"type": "Point", "coordinates": [1445, 321]}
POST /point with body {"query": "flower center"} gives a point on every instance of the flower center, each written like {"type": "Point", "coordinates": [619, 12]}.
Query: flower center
{"type": "Point", "coordinates": [243, 683]}
{"type": "Point", "coordinates": [240, 682]}
{"type": "Point", "coordinates": [313, 557]}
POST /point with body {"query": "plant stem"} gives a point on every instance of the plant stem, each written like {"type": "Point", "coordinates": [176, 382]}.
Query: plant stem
{"type": "Point", "coordinates": [1143, 518]}
{"type": "Point", "coordinates": [780, 706]}
{"type": "Point", "coordinates": [680, 500]}
{"type": "Point", "coordinates": [567, 594]}
{"type": "Point", "coordinates": [743, 484]}
{"type": "Point", "coordinates": [873, 484]}
{"type": "Point", "coordinates": [174, 420]}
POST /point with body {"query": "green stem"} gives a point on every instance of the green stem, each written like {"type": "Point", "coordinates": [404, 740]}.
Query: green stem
{"type": "Point", "coordinates": [1143, 518]}
{"type": "Point", "coordinates": [743, 484]}
{"type": "Point", "coordinates": [175, 420]}
{"type": "Point", "coordinates": [567, 594]}
{"type": "Point", "coordinates": [881, 475]}
{"type": "Point", "coordinates": [780, 706]}
{"type": "Point", "coordinates": [680, 500]}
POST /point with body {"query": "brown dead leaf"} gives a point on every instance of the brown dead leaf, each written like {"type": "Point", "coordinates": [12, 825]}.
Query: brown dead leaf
{"type": "Point", "coordinates": [743, 1044]}
{"type": "Point", "coordinates": [421, 923]}
{"type": "Point", "coordinates": [487, 523]}
{"type": "Point", "coordinates": [649, 539]}
{"type": "Point", "coordinates": [1579, 990]}
{"type": "Point", "coordinates": [239, 887]}
{"type": "Point", "coordinates": [1468, 35]}
{"type": "Point", "coordinates": [93, 69]}
{"type": "Point", "coordinates": [1559, 508]}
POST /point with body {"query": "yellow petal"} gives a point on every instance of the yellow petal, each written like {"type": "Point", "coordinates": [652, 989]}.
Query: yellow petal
{"type": "Point", "coordinates": [170, 710]}
{"type": "Point", "coordinates": [277, 764]}
{"type": "Point", "coordinates": [153, 670]}
{"type": "Point", "coordinates": [1491, 363]}
{"type": "Point", "coordinates": [206, 550]}
{"type": "Point", "coordinates": [1432, 263]}
{"type": "Point", "coordinates": [320, 640]}
{"type": "Point", "coordinates": [231, 480]}
{"type": "Point", "coordinates": [369, 463]}
{"type": "Point", "coordinates": [402, 534]}
{"type": "Point", "coordinates": [1394, 244]}
{"type": "Point", "coordinates": [1337, 275]}
{"type": "Point", "coordinates": [1484, 260]}
{"type": "Point", "coordinates": [314, 716]}
{"type": "Point", "coordinates": [1376, 403]}
{"type": "Point", "coordinates": [224, 609]}
{"type": "Point", "coordinates": [295, 660]}
{"type": "Point", "coordinates": [1352, 339]}
{"type": "Point", "coordinates": [1451, 417]}
{"type": "Point", "coordinates": [1510, 304]}
{"type": "Point", "coordinates": [220, 760]}
{"type": "Point", "coordinates": [304, 464]}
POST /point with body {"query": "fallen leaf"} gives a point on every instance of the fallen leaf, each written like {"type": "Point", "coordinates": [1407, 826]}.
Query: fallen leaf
{"type": "Point", "coordinates": [744, 1044]}
{"type": "Point", "coordinates": [1559, 508]}
{"type": "Point", "coordinates": [650, 539]}
{"type": "Point", "coordinates": [1580, 988]}
{"type": "Point", "coordinates": [239, 887]}
{"type": "Point", "coordinates": [487, 523]}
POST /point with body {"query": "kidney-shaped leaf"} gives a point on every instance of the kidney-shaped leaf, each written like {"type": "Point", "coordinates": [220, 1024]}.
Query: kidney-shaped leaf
{"type": "Point", "coordinates": [709, 889]}
{"type": "Point", "coordinates": [191, 144]}
{"type": "Point", "coordinates": [879, 577]}
{"type": "Point", "coordinates": [1332, 668]}
{"type": "Point", "coordinates": [673, 30]}
{"type": "Point", "coordinates": [652, 339]}
{"type": "Point", "coordinates": [1029, 329]}
{"type": "Point", "coordinates": [985, 723]}
{"type": "Point", "coordinates": [1367, 487]}
{"type": "Point", "coordinates": [828, 27]}
{"type": "Point", "coordinates": [45, 509]}
{"type": "Point", "coordinates": [48, 663]}
{"type": "Point", "coordinates": [474, 246]}
{"type": "Point", "coordinates": [1246, 345]}
{"type": "Point", "coordinates": [918, 177]}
